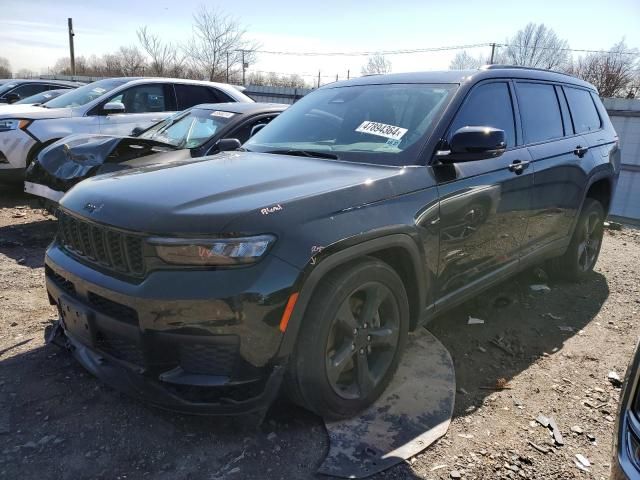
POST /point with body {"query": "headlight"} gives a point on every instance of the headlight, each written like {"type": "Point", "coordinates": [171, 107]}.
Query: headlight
{"type": "Point", "coordinates": [12, 124]}
{"type": "Point", "coordinates": [220, 251]}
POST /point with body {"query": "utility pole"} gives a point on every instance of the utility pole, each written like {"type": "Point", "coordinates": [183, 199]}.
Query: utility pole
{"type": "Point", "coordinates": [318, 78]}
{"type": "Point", "coordinates": [244, 68]}
{"type": "Point", "coordinates": [72, 57]}
{"type": "Point", "coordinates": [227, 67]}
{"type": "Point", "coordinates": [348, 74]}
{"type": "Point", "coordinates": [493, 51]}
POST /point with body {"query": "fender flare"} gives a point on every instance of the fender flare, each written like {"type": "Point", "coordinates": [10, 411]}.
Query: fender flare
{"type": "Point", "coordinates": [311, 280]}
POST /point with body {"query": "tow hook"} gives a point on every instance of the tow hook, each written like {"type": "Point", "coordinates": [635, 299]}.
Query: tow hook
{"type": "Point", "coordinates": [54, 334]}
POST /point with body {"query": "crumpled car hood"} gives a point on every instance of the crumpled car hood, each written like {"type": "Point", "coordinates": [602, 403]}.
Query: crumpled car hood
{"type": "Point", "coordinates": [77, 157]}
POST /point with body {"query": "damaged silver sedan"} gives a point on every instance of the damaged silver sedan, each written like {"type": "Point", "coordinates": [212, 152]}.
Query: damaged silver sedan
{"type": "Point", "coordinates": [199, 131]}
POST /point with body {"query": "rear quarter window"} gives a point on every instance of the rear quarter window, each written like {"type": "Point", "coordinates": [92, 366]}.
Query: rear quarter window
{"type": "Point", "coordinates": [583, 111]}
{"type": "Point", "coordinates": [539, 111]}
{"type": "Point", "coordinates": [191, 95]}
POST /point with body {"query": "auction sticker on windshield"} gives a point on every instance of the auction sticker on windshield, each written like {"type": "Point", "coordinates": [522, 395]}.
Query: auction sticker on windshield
{"type": "Point", "coordinates": [381, 130]}
{"type": "Point", "coordinates": [219, 113]}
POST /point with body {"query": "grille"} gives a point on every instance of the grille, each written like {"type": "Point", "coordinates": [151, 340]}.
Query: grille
{"type": "Point", "coordinates": [116, 251]}
{"type": "Point", "coordinates": [119, 347]}
{"type": "Point", "coordinates": [60, 281]}
{"type": "Point", "coordinates": [210, 359]}
{"type": "Point", "coordinates": [113, 309]}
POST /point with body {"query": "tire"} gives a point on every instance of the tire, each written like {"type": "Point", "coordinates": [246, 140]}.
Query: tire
{"type": "Point", "coordinates": [583, 251]}
{"type": "Point", "coordinates": [352, 338]}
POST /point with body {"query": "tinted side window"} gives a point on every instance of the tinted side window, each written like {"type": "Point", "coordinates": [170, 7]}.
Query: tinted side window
{"type": "Point", "coordinates": [142, 98]}
{"type": "Point", "coordinates": [29, 89]}
{"type": "Point", "coordinates": [583, 111]}
{"type": "Point", "coordinates": [540, 112]}
{"type": "Point", "coordinates": [488, 105]}
{"type": "Point", "coordinates": [190, 95]}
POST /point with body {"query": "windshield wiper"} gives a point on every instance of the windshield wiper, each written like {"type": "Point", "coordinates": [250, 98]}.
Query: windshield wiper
{"type": "Point", "coordinates": [305, 153]}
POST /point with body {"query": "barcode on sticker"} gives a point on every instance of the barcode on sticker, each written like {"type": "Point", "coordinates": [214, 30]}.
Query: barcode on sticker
{"type": "Point", "coordinates": [382, 130]}
{"type": "Point", "coordinates": [218, 113]}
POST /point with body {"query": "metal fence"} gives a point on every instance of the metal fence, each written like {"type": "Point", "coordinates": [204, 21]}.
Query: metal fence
{"type": "Point", "coordinates": [625, 116]}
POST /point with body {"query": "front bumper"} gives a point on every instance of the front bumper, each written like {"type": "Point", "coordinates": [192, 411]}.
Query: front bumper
{"type": "Point", "coordinates": [15, 145]}
{"type": "Point", "coordinates": [212, 348]}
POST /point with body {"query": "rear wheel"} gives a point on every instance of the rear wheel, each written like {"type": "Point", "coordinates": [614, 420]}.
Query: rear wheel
{"type": "Point", "coordinates": [351, 340]}
{"type": "Point", "coordinates": [583, 251]}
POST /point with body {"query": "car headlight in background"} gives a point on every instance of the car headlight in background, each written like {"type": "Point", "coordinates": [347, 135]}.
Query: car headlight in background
{"type": "Point", "coordinates": [205, 252]}
{"type": "Point", "coordinates": [13, 124]}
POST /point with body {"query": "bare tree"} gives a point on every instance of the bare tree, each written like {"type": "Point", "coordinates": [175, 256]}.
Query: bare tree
{"type": "Point", "coordinates": [26, 73]}
{"type": "Point", "coordinates": [166, 59]}
{"type": "Point", "coordinates": [614, 73]}
{"type": "Point", "coordinates": [535, 46]}
{"type": "Point", "coordinates": [131, 60]}
{"type": "Point", "coordinates": [217, 39]}
{"type": "Point", "coordinates": [376, 64]}
{"type": "Point", "coordinates": [465, 61]}
{"type": "Point", "coordinates": [272, 79]}
{"type": "Point", "coordinates": [5, 68]}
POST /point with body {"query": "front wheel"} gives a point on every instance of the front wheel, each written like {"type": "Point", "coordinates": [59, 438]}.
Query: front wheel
{"type": "Point", "coordinates": [583, 251]}
{"type": "Point", "coordinates": [351, 341]}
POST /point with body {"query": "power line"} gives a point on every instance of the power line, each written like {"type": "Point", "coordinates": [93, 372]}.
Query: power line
{"type": "Point", "coordinates": [377, 52]}
{"type": "Point", "coordinates": [582, 50]}
{"type": "Point", "coordinates": [432, 49]}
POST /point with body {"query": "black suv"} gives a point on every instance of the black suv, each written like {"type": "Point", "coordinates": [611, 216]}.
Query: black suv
{"type": "Point", "coordinates": [307, 256]}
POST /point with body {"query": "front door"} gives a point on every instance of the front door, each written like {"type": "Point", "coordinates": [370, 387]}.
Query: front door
{"type": "Point", "coordinates": [144, 105]}
{"type": "Point", "coordinates": [483, 204]}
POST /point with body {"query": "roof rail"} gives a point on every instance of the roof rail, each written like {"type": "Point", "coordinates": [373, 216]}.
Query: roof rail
{"type": "Point", "coordinates": [496, 66]}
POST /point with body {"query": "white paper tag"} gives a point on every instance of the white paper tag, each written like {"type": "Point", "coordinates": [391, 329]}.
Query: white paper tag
{"type": "Point", "coordinates": [382, 130]}
{"type": "Point", "coordinates": [219, 113]}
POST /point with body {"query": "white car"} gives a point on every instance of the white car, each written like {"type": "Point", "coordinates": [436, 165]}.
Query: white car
{"type": "Point", "coordinates": [114, 106]}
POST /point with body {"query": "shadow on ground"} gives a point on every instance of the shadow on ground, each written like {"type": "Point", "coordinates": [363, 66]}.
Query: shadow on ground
{"type": "Point", "coordinates": [63, 423]}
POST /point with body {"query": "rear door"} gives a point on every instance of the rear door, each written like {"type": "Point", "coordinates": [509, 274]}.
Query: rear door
{"type": "Point", "coordinates": [144, 104]}
{"type": "Point", "coordinates": [559, 179]}
{"type": "Point", "coordinates": [483, 203]}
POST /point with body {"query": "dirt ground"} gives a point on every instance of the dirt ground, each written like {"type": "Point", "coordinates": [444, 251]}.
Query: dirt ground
{"type": "Point", "coordinates": [556, 350]}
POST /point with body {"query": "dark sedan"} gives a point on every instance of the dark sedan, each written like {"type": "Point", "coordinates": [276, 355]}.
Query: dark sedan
{"type": "Point", "coordinates": [193, 133]}
{"type": "Point", "coordinates": [14, 90]}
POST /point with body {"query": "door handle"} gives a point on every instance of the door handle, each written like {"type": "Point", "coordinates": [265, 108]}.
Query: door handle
{"type": "Point", "coordinates": [518, 166]}
{"type": "Point", "coordinates": [580, 151]}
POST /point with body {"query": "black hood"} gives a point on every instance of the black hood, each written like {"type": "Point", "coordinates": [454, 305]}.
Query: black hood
{"type": "Point", "coordinates": [205, 195]}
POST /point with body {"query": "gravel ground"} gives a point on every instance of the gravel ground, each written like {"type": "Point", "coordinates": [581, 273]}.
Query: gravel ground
{"type": "Point", "coordinates": [550, 351]}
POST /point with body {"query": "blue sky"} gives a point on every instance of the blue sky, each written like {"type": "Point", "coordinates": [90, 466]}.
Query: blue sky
{"type": "Point", "coordinates": [33, 33]}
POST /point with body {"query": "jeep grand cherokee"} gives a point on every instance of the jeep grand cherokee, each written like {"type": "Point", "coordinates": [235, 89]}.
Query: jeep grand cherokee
{"type": "Point", "coordinates": [307, 256]}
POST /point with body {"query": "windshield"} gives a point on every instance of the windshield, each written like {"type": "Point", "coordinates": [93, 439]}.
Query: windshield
{"type": "Point", "coordinates": [42, 97]}
{"type": "Point", "coordinates": [83, 95]}
{"type": "Point", "coordinates": [381, 124]}
{"type": "Point", "coordinates": [189, 129]}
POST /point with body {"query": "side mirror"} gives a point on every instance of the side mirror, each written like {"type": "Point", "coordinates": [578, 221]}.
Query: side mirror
{"type": "Point", "coordinates": [113, 107]}
{"type": "Point", "coordinates": [12, 97]}
{"type": "Point", "coordinates": [228, 144]}
{"type": "Point", "coordinates": [474, 143]}
{"type": "Point", "coordinates": [256, 128]}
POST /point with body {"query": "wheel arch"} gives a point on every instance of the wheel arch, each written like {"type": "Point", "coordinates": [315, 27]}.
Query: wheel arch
{"type": "Point", "coordinates": [37, 148]}
{"type": "Point", "coordinates": [399, 250]}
